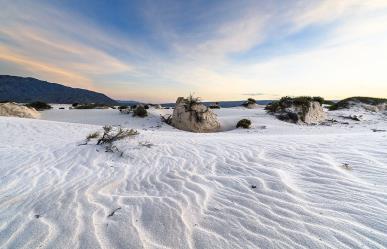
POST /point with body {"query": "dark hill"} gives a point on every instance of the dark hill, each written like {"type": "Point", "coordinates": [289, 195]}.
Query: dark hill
{"type": "Point", "coordinates": [24, 90]}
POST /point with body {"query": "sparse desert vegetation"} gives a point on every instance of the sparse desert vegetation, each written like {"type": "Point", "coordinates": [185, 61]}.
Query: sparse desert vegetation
{"type": "Point", "coordinates": [39, 105]}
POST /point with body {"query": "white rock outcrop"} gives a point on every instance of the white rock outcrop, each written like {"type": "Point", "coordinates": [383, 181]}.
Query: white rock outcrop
{"type": "Point", "coordinates": [314, 114]}
{"type": "Point", "coordinates": [14, 110]}
{"type": "Point", "coordinates": [194, 117]}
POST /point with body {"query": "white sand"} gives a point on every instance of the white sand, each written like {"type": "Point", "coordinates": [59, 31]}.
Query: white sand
{"type": "Point", "coordinates": [193, 190]}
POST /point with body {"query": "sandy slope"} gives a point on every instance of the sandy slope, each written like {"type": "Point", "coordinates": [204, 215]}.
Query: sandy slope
{"type": "Point", "coordinates": [192, 190]}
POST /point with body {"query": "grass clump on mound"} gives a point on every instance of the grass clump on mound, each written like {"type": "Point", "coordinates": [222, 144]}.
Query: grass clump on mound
{"type": "Point", "coordinates": [244, 123]}
{"type": "Point", "coordinates": [345, 103]}
{"type": "Point", "coordinates": [250, 101]}
{"type": "Point", "coordinates": [39, 105]}
{"type": "Point", "coordinates": [287, 102]}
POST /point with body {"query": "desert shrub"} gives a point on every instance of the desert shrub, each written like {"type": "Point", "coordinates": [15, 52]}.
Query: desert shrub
{"type": "Point", "coordinates": [122, 107]}
{"type": "Point", "coordinates": [243, 123]}
{"type": "Point", "coordinates": [166, 119]}
{"type": "Point", "coordinates": [75, 104]}
{"type": "Point", "coordinates": [39, 105]}
{"type": "Point", "coordinates": [140, 111]}
{"type": "Point", "coordinates": [272, 107]}
{"type": "Point", "coordinates": [192, 100]}
{"type": "Point", "coordinates": [345, 103]}
{"type": "Point", "coordinates": [146, 107]}
{"type": "Point", "coordinates": [110, 135]}
{"type": "Point", "coordinates": [289, 116]}
{"type": "Point", "coordinates": [61, 108]}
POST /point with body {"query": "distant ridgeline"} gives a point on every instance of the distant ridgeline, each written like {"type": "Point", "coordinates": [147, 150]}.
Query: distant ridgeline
{"type": "Point", "coordinates": [226, 104]}
{"type": "Point", "coordinates": [25, 90]}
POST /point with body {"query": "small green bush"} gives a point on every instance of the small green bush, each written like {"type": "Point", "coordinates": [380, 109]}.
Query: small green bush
{"type": "Point", "coordinates": [39, 106]}
{"type": "Point", "coordinates": [244, 123]}
{"type": "Point", "coordinates": [140, 111]}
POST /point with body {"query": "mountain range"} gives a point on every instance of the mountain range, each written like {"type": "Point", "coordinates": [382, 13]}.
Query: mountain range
{"type": "Point", "coordinates": [27, 89]}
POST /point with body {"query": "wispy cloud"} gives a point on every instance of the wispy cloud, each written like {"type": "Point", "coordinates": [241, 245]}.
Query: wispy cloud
{"type": "Point", "coordinates": [190, 48]}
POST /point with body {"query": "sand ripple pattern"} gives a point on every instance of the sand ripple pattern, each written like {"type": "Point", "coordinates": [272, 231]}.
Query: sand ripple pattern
{"type": "Point", "coordinates": [191, 192]}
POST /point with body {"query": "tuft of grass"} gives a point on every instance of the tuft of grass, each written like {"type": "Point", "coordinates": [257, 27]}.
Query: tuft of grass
{"type": "Point", "coordinates": [192, 100]}
{"type": "Point", "coordinates": [92, 135]}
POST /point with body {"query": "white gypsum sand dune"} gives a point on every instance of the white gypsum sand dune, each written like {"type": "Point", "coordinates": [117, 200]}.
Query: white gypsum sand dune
{"type": "Point", "coordinates": [277, 185]}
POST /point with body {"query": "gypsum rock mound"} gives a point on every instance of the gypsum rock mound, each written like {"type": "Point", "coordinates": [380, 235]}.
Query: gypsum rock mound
{"type": "Point", "coordinates": [194, 117]}
{"type": "Point", "coordinates": [14, 110]}
{"type": "Point", "coordinates": [298, 110]}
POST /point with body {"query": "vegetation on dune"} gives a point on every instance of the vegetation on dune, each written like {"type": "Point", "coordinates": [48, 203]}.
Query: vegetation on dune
{"type": "Point", "coordinates": [345, 103]}
{"type": "Point", "coordinates": [215, 106]}
{"type": "Point", "coordinates": [109, 136]}
{"type": "Point", "coordinates": [191, 100]}
{"type": "Point", "coordinates": [123, 107]}
{"type": "Point", "coordinates": [287, 102]}
{"type": "Point", "coordinates": [250, 101]}
{"type": "Point", "coordinates": [243, 123]}
{"type": "Point", "coordinates": [39, 105]}
{"type": "Point", "coordinates": [140, 111]}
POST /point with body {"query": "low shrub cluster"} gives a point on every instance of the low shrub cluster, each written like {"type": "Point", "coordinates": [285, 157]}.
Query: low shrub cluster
{"type": "Point", "coordinates": [244, 123]}
{"type": "Point", "coordinates": [140, 111]}
{"type": "Point", "coordinates": [39, 105]}
{"type": "Point", "coordinates": [90, 106]}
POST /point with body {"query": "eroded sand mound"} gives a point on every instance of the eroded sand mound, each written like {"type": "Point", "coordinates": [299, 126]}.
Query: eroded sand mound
{"type": "Point", "coordinates": [14, 110]}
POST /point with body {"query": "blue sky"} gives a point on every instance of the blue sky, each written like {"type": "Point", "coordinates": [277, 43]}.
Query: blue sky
{"type": "Point", "coordinates": [219, 50]}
